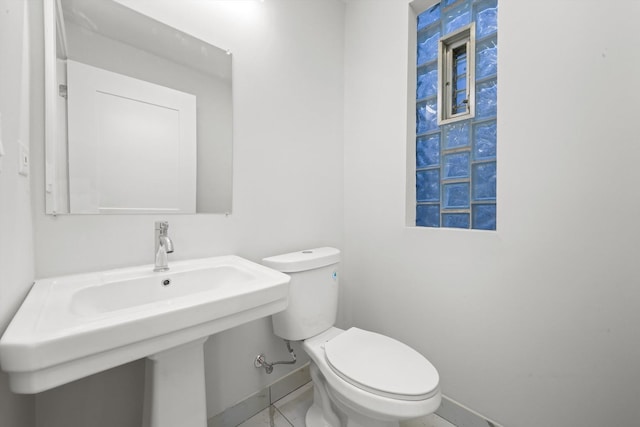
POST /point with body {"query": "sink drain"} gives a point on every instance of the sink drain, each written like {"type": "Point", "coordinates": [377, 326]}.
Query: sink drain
{"type": "Point", "coordinates": [166, 282]}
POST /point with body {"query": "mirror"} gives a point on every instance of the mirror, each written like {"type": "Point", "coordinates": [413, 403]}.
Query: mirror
{"type": "Point", "coordinates": [138, 114]}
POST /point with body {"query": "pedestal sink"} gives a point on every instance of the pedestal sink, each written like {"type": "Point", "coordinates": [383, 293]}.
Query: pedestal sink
{"type": "Point", "coordinates": [73, 326]}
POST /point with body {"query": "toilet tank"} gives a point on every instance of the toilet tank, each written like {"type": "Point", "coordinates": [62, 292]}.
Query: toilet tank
{"type": "Point", "coordinates": [313, 292]}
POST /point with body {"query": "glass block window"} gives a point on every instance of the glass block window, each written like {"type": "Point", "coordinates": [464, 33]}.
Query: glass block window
{"type": "Point", "coordinates": [456, 160]}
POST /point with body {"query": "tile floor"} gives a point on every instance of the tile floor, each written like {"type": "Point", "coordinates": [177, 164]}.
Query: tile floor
{"type": "Point", "coordinates": [291, 409]}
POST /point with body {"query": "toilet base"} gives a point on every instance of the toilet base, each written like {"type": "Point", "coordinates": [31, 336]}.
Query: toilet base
{"type": "Point", "coordinates": [321, 413]}
{"type": "Point", "coordinates": [328, 411]}
{"type": "Point", "coordinates": [315, 418]}
{"type": "Point", "coordinates": [352, 418]}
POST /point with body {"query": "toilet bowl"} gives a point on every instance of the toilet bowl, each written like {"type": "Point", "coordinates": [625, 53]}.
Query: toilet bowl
{"type": "Point", "coordinates": [373, 376]}
{"type": "Point", "coordinates": [361, 378]}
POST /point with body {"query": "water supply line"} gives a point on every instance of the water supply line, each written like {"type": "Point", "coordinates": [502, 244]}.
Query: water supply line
{"type": "Point", "coordinates": [261, 360]}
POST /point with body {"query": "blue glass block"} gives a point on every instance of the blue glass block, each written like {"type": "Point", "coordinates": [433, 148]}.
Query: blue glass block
{"type": "Point", "coordinates": [428, 45]}
{"type": "Point", "coordinates": [486, 17]}
{"type": "Point", "coordinates": [484, 217]}
{"type": "Point", "coordinates": [456, 165]}
{"type": "Point", "coordinates": [487, 99]}
{"type": "Point", "coordinates": [428, 151]}
{"type": "Point", "coordinates": [484, 181]}
{"type": "Point", "coordinates": [486, 58]}
{"type": "Point", "coordinates": [428, 215]}
{"type": "Point", "coordinates": [461, 220]}
{"type": "Point", "coordinates": [457, 17]}
{"type": "Point", "coordinates": [448, 3]}
{"type": "Point", "coordinates": [456, 135]}
{"type": "Point", "coordinates": [427, 81]}
{"type": "Point", "coordinates": [485, 140]}
{"type": "Point", "coordinates": [428, 185]}
{"type": "Point", "coordinates": [456, 195]}
{"type": "Point", "coordinates": [429, 16]}
{"type": "Point", "coordinates": [426, 116]}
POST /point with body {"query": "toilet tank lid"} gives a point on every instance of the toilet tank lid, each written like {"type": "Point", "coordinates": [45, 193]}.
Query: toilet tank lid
{"type": "Point", "coordinates": [307, 259]}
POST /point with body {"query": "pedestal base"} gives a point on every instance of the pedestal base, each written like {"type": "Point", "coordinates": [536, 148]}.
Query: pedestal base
{"type": "Point", "coordinates": [175, 387]}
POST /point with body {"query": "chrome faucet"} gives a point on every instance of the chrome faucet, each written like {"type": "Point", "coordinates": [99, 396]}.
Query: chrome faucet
{"type": "Point", "coordinates": [164, 246]}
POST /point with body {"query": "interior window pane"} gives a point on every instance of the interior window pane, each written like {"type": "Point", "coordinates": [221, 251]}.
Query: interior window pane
{"type": "Point", "coordinates": [460, 102]}
{"type": "Point", "coordinates": [460, 61]}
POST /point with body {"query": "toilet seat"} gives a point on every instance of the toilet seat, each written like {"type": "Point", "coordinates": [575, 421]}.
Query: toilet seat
{"type": "Point", "coordinates": [381, 365]}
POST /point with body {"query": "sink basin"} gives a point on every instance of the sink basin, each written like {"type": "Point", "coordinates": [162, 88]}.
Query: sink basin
{"type": "Point", "coordinates": [138, 292]}
{"type": "Point", "coordinates": [73, 326]}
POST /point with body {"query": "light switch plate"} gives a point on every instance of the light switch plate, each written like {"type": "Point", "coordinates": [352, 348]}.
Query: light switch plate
{"type": "Point", "coordinates": [23, 159]}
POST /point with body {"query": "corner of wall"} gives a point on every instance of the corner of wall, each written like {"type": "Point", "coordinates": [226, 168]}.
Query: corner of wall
{"type": "Point", "coordinates": [16, 225]}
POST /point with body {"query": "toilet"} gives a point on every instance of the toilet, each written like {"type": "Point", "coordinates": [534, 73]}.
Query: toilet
{"type": "Point", "coordinates": [360, 378]}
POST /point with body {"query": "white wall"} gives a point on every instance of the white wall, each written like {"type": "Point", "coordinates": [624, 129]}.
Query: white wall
{"type": "Point", "coordinates": [535, 324]}
{"type": "Point", "coordinates": [288, 158]}
{"type": "Point", "coordinates": [16, 230]}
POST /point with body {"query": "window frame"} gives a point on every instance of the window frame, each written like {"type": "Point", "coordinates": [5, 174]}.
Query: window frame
{"type": "Point", "coordinates": [464, 36]}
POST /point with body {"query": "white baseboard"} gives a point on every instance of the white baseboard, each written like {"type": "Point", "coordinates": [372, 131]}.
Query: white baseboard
{"type": "Point", "coordinates": [452, 411]}
{"type": "Point", "coordinates": [461, 416]}
{"type": "Point", "coordinates": [257, 402]}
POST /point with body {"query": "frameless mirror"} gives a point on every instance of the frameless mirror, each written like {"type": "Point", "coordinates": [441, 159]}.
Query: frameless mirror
{"type": "Point", "coordinates": [138, 114]}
